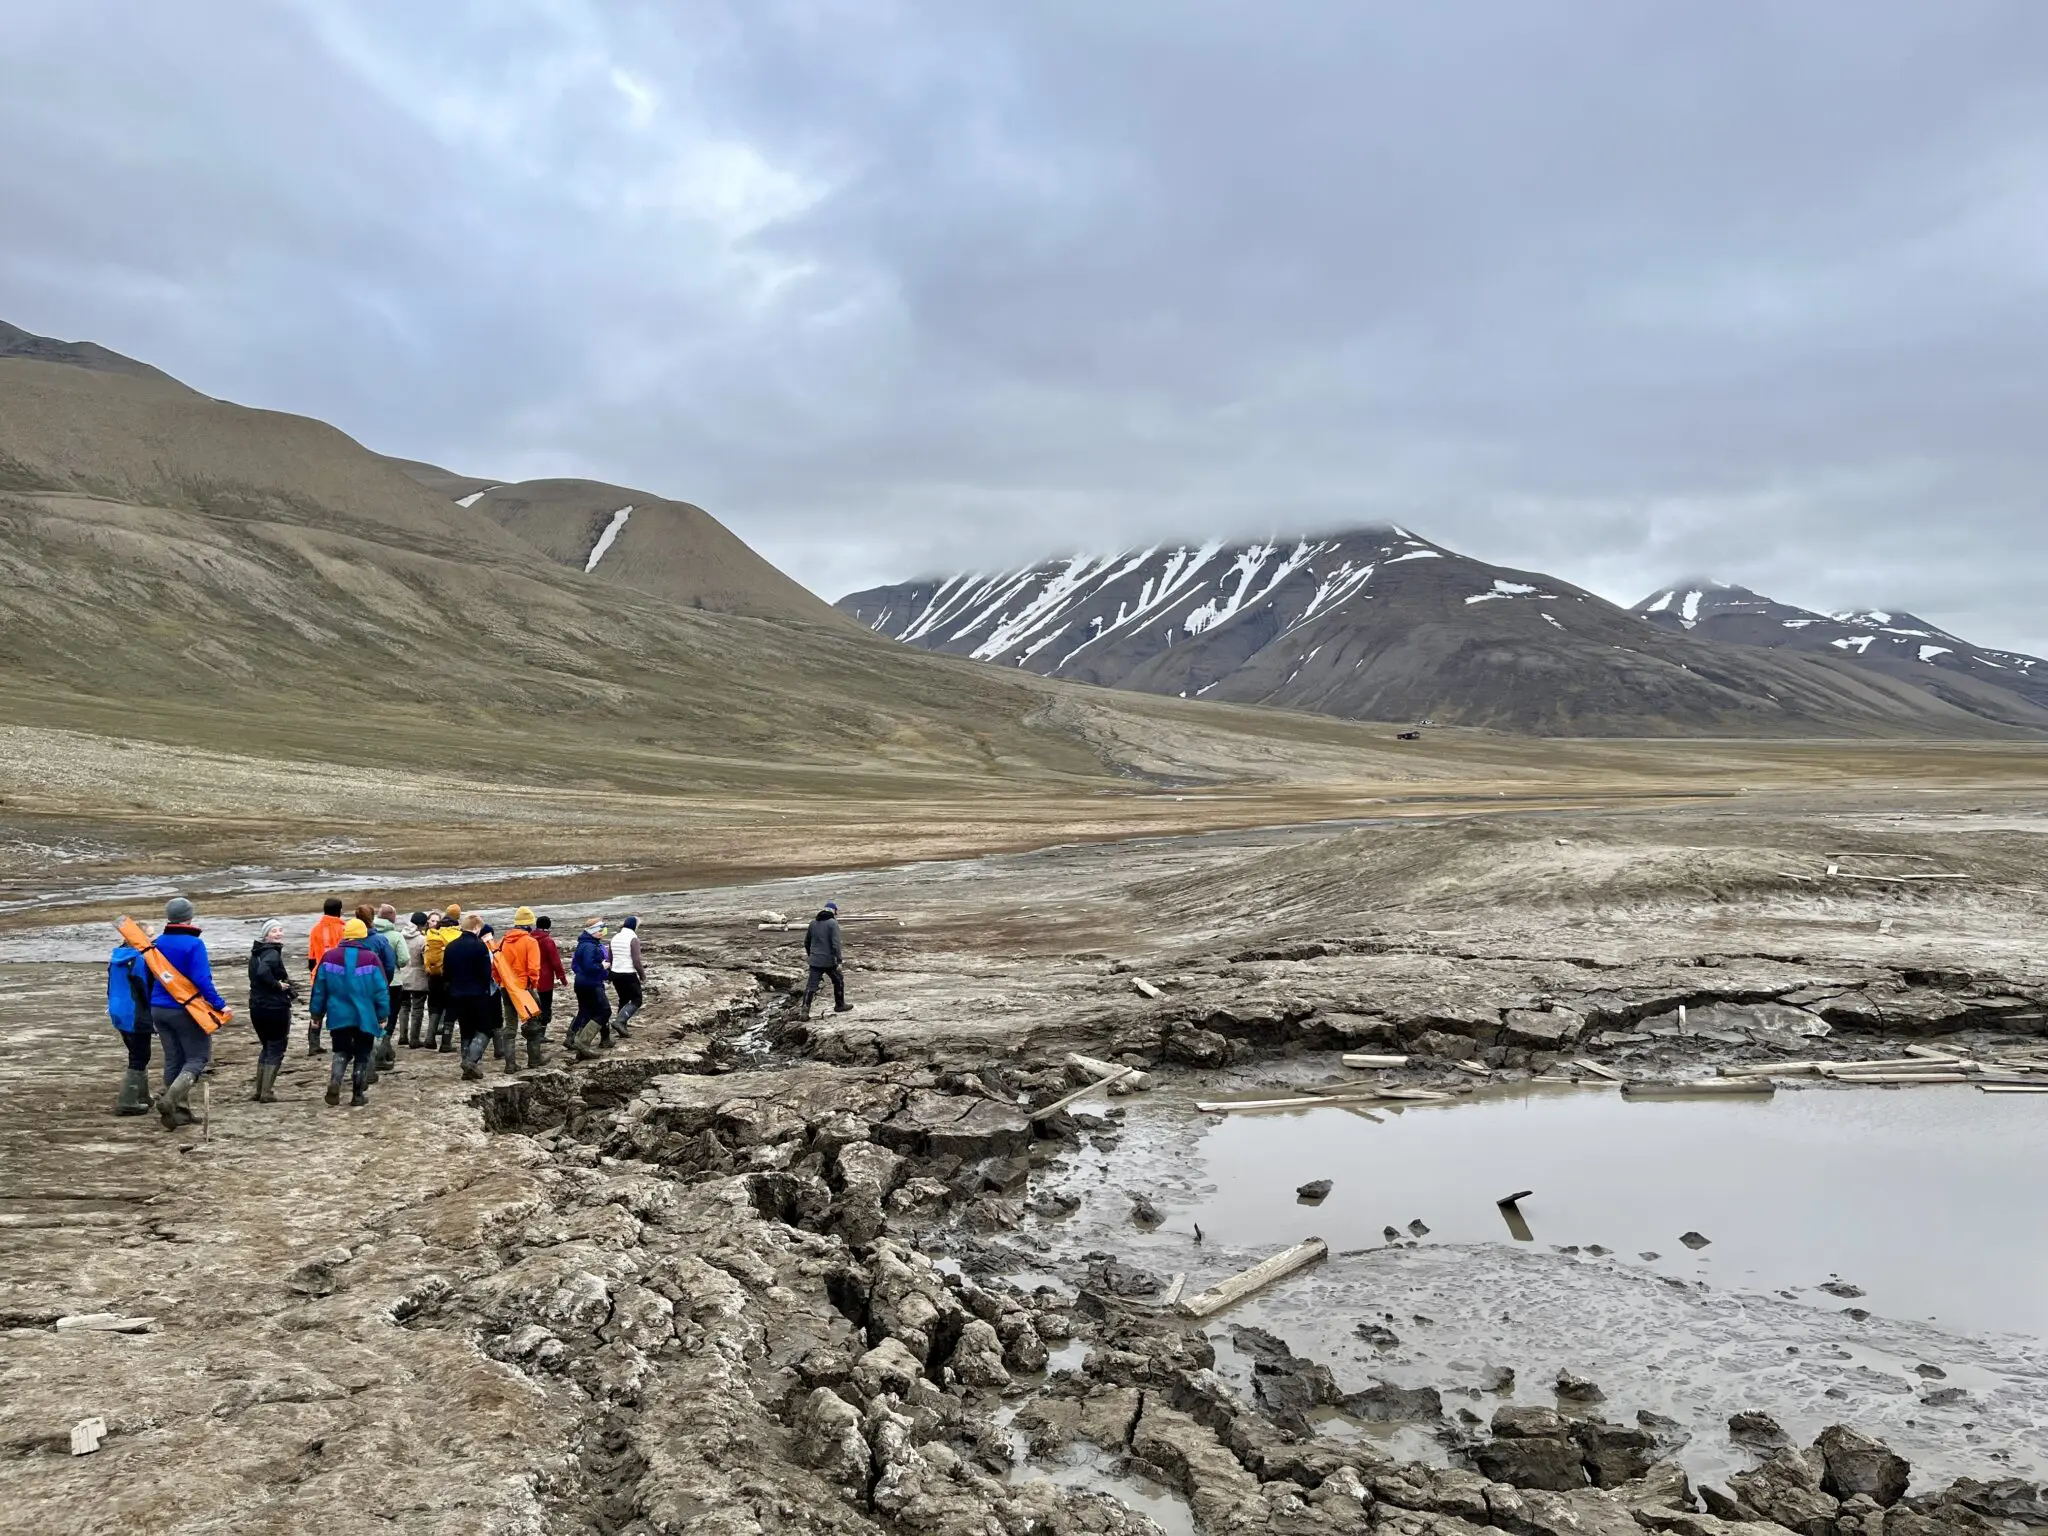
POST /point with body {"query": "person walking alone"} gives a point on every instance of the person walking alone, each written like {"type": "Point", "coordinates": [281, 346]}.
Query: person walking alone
{"type": "Point", "coordinates": [351, 996]}
{"type": "Point", "coordinates": [825, 953]}
{"type": "Point", "coordinates": [409, 997]}
{"type": "Point", "coordinates": [551, 972]}
{"type": "Point", "coordinates": [271, 991]}
{"type": "Point", "coordinates": [325, 935]}
{"type": "Point", "coordinates": [466, 972]}
{"type": "Point", "coordinates": [128, 985]}
{"type": "Point", "coordinates": [629, 970]}
{"type": "Point", "coordinates": [589, 968]}
{"type": "Point", "coordinates": [188, 1049]}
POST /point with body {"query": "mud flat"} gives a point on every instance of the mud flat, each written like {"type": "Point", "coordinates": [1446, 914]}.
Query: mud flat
{"type": "Point", "coordinates": [755, 1274]}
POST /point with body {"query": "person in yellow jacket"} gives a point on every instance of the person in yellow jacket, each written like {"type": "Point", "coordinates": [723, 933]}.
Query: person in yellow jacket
{"type": "Point", "coordinates": [520, 951]}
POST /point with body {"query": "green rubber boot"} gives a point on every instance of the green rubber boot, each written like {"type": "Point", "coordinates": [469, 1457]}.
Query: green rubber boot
{"type": "Point", "coordinates": [134, 1098]}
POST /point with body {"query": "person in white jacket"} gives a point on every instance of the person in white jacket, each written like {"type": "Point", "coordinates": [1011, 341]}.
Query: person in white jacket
{"type": "Point", "coordinates": [628, 971]}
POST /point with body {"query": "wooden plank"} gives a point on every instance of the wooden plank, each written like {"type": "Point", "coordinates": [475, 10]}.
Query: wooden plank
{"type": "Point", "coordinates": [1173, 1290]}
{"type": "Point", "coordinates": [1059, 1104]}
{"type": "Point", "coordinates": [1596, 1069]}
{"type": "Point", "coordinates": [1899, 879]}
{"type": "Point", "coordinates": [1900, 1077]}
{"type": "Point", "coordinates": [1297, 1101]}
{"type": "Point", "coordinates": [1134, 1080]}
{"type": "Point", "coordinates": [2012, 1087]}
{"type": "Point", "coordinates": [1475, 1068]}
{"type": "Point", "coordinates": [1375, 1061]}
{"type": "Point", "coordinates": [1774, 1069]}
{"type": "Point", "coordinates": [1702, 1088]}
{"type": "Point", "coordinates": [1145, 988]}
{"type": "Point", "coordinates": [1262, 1274]}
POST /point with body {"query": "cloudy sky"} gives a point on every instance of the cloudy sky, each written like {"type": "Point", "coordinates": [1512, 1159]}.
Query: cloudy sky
{"type": "Point", "coordinates": [1614, 290]}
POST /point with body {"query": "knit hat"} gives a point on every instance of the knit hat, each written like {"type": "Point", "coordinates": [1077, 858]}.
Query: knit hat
{"type": "Point", "coordinates": [831, 906]}
{"type": "Point", "coordinates": [419, 920]}
{"type": "Point", "coordinates": [454, 910]}
{"type": "Point", "coordinates": [178, 910]}
{"type": "Point", "coordinates": [631, 922]}
{"type": "Point", "coordinates": [355, 928]}
{"type": "Point", "coordinates": [270, 925]}
{"type": "Point", "coordinates": [523, 916]}
{"type": "Point", "coordinates": [544, 921]}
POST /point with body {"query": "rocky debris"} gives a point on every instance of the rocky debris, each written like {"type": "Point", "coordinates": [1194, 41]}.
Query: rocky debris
{"type": "Point", "coordinates": [1378, 1335]}
{"type": "Point", "coordinates": [1930, 1372]}
{"type": "Point", "coordinates": [1853, 1463]}
{"type": "Point", "coordinates": [1110, 1276]}
{"type": "Point", "coordinates": [1841, 1288]}
{"type": "Point", "coordinates": [1385, 1403]}
{"type": "Point", "coordinates": [1417, 1228]}
{"type": "Point", "coordinates": [1755, 1428]}
{"type": "Point", "coordinates": [1574, 1388]}
{"type": "Point", "coordinates": [1785, 1488]}
{"type": "Point", "coordinates": [1314, 1190]}
{"type": "Point", "coordinates": [1694, 1240]}
{"type": "Point", "coordinates": [1549, 1029]}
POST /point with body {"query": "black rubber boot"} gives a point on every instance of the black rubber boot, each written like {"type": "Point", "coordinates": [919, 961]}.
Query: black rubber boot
{"type": "Point", "coordinates": [803, 1011]}
{"type": "Point", "coordinates": [536, 1047]}
{"type": "Point", "coordinates": [266, 1082]}
{"type": "Point", "coordinates": [313, 1045]}
{"type": "Point", "coordinates": [358, 1099]}
{"type": "Point", "coordinates": [387, 1058]}
{"type": "Point", "coordinates": [134, 1098]}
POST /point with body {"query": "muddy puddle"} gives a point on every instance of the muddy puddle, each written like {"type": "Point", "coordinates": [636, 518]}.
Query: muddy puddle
{"type": "Point", "coordinates": [1873, 1256]}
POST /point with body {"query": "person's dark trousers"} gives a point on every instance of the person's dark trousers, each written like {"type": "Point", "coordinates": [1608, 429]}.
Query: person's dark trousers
{"type": "Point", "coordinates": [546, 998]}
{"type": "Point", "coordinates": [273, 1033]}
{"type": "Point", "coordinates": [838, 985]}
{"type": "Point", "coordinates": [441, 1012]}
{"type": "Point", "coordinates": [352, 1052]}
{"type": "Point", "coordinates": [627, 985]}
{"type": "Point", "coordinates": [188, 1049]}
{"type": "Point", "coordinates": [592, 1007]}
{"type": "Point", "coordinates": [138, 1040]}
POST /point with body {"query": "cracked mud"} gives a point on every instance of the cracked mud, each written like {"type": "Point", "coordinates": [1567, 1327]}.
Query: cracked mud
{"type": "Point", "coordinates": [750, 1274]}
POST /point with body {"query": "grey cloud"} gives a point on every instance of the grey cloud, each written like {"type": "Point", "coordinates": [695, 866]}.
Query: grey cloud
{"type": "Point", "coordinates": [1620, 292]}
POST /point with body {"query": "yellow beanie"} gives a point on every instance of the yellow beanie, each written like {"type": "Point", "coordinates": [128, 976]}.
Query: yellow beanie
{"type": "Point", "coordinates": [354, 929]}
{"type": "Point", "coordinates": [523, 918]}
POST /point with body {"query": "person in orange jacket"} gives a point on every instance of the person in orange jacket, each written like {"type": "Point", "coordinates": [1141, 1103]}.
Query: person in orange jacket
{"type": "Point", "coordinates": [520, 951]}
{"type": "Point", "coordinates": [326, 934]}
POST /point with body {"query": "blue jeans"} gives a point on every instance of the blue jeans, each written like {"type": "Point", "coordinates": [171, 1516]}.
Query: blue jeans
{"type": "Point", "coordinates": [187, 1047]}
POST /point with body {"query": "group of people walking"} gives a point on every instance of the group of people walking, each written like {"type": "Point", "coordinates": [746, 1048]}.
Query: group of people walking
{"type": "Point", "coordinates": [371, 983]}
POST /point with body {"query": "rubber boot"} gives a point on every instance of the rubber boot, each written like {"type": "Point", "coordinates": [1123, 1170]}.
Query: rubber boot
{"type": "Point", "coordinates": [577, 1048]}
{"type": "Point", "coordinates": [604, 1034]}
{"type": "Point", "coordinates": [334, 1072]}
{"type": "Point", "coordinates": [412, 1030]}
{"type": "Point", "coordinates": [134, 1098]}
{"type": "Point", "coordinates": [447, 1033]}
{"type": "Point", "coordinates": [505, 1044]}
{"type": "Point", "coordinates": [313, 1045]}
{"type": "Point", "coordinates": [536, 1049]}
{"type": "Point", "coordinates": [358, 1099]}
{"type": "Point", "coordinates": [266, 1082]}
{"type": "Point", "coordinates": [803, 1011]}
{"type": "Point", "coordinates": [387, 1058]}
{"type": "Point", "coordinates": [170, 1106]}
{"type": "Point", "coordinates": [623, 1018]}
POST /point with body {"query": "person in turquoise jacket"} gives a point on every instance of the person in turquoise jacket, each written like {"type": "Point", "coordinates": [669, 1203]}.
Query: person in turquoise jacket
{"type": "Point", "coordinates": [352, 998]}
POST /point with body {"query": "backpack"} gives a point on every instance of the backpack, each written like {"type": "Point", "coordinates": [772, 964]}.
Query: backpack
{"type": "Point", "coordinates": [436, 942]}
{"type": "Point", "coordinates": [121, 988]}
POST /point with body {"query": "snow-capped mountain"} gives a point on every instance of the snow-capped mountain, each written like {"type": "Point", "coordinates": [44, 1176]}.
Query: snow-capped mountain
{"type": "Point", "coordinates": [1899, 643]}
{"type": "Point", "coordinates": [1379, 623]}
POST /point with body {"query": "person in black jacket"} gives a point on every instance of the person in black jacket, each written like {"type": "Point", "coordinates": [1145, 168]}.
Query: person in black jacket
{"type": "Point", "coordinates": [466, 973]}
{"type": "Point", "coordinates": [825, 953]}
{"type": "Point", "coordinates": [271, 991]}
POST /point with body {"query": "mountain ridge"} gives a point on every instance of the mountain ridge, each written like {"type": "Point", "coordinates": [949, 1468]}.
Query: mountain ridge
{"type": "Point", "coordinates": [1378, 622]}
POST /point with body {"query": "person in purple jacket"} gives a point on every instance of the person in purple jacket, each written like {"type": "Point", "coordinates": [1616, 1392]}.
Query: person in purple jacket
{"type": "Point", "coordinates": [188, 1049]}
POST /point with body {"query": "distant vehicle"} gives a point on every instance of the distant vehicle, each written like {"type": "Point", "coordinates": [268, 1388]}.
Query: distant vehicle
{"type": "Point", "coordinates": [1409, 736]}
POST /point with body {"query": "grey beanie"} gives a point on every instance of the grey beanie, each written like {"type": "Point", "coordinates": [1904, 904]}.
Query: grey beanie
{"type": "Point", "coordinates": [178, 910]}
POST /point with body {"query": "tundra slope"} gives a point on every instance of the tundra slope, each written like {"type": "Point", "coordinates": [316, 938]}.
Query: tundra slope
{"type": "Point", "coordinates": [1378, 623]}
{"type": "Point", "coordinates": [1900, 644]}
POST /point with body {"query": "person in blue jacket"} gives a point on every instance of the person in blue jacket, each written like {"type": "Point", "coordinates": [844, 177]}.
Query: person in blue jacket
{"type": "Point", "coordinates": [128, 1007]}
{"type": "Point", "coordinates": [589, 970]}
{"type": "Point", "coordinates": [188, 1049]}
{"type": "Point", "coordinates": [352, 998]}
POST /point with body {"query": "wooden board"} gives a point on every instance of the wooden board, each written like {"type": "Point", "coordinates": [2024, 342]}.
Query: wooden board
{"type": "Point", "coordinates": [1260, 1275]}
